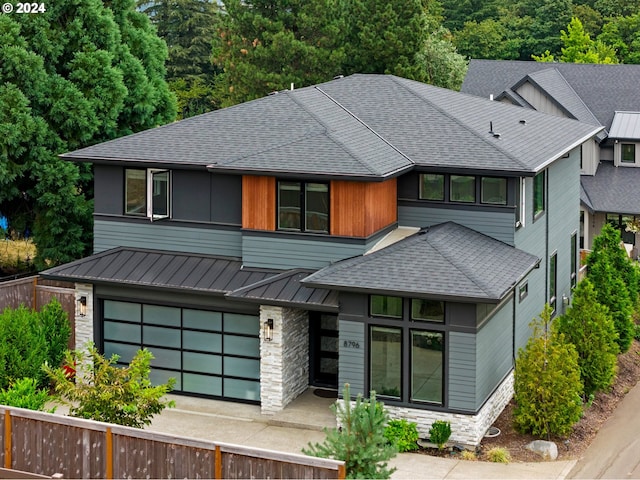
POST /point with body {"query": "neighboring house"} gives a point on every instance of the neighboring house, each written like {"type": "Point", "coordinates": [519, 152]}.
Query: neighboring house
{"type": "Point", "coordinates": [371, 230]}
{"type": "Point", "coordinates": [606, 95]}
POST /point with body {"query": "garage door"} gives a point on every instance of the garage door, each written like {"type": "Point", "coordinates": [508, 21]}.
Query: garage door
{"type": "Point", "coordinates": [209, 353]}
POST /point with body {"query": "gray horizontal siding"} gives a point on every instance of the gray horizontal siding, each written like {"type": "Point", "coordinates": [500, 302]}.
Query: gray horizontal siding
{"type": "Point", "coordinates": [351, 361]}
{"type": "Point", "coordinates": [499, 225]}
{"type": "Point", "coordinates": [164, 236]}
{"type": "Point", "coordinates": [494, 352]}
{"type": "Point", "coordinates": [462, 371]}
{"type": "Point", "coordinates": [286, 252]}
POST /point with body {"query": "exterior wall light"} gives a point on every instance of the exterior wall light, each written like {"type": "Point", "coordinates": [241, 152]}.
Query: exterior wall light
{"type": "Point", "coordinates": [267, 330]}
{"type": "Point", "coordinates": [82, 306]}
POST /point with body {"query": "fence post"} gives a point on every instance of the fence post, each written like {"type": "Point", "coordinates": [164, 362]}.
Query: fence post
{"type": "Point", "coordinates": [7, 439]}
{"type": "Point", "coordinates": [109, 454]}
{"type": "Point", "coordinates": [342, 472]}
{"type": "Point", "coordinates": [217, 464]}
{"type": "Point", "coordinates": [35, 293]}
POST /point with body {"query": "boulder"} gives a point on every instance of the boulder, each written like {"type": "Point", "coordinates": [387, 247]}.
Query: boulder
{"type": "Point", "coordinates": [547, 450]}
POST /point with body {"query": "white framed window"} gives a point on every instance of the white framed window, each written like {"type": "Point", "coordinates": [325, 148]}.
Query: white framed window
{"type": "Point", "coordinates": [148, 193]}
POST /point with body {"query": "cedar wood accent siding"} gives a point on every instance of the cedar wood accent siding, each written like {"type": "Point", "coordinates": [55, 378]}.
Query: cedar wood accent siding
{"type": "Point", "coordinates": [258, 202]}
{"type": "Point", "coordinates": [358, 209]}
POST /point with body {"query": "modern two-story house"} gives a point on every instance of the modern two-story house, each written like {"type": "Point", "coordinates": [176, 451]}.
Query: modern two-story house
{"type": "Point", "coordinates": [606, 95]}
{"type": "Point", "coordinates": [370, 230]}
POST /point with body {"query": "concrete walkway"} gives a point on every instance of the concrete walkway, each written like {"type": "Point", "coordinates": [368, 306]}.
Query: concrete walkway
{"type": "Point", "coordinates": [303, 421]}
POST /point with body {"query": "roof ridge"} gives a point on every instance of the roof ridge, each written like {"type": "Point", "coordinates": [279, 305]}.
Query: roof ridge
{"type": "Point", "coordinates": [364, 124]}
{"type": "Point", "coordinates": [456, 120]}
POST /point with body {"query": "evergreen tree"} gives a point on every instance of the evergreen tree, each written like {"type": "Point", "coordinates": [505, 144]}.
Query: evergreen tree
{"type": "Point", "coordinates": [265, 46]}
{"type": "Point", "coordinates": [360, 441]}
{"type": "Point", "coordinates": [77, 74]}
{"type": "Point", "coordinates": [188, 28]}
{"type": "Point", "coordinates": [589, 327]}
{"type": "Point", "coordinates": [547, 382]}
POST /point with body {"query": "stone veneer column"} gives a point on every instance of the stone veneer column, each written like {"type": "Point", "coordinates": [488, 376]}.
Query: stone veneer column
{"type": "Point", "coordinates": [284, 361]}
{"type": "Point", "coordinates": [84, 324]}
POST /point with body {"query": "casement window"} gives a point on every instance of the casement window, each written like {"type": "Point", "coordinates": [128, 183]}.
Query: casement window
{"type": "Point", "coordinates": [574, 259]}
{"type": "Point", "coordinates": [627, 153]}
{"type": "Point", "coordinates": [553, 281]}
{"type": "Point", "coordinates": [493, 190]}
{"type": "Point", "coordinates": [538, 194]}
{"type": "Point", "coordinates": [431, 187]}
{"type": "Point", "coordinates": [303, 206]}
{"type": "Point", "coordinates": [521, 207]}
{"type": "Point", "coordinates": [147, 193]}
{"type": "Point", "coordinates": [523, 291]}
{"type": "Point", "coordinates": [463, 189]}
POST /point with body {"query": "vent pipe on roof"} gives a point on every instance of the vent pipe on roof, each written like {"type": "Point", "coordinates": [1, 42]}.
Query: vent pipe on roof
{"type": "Point", "coordinates": [291, 85]}
{"type": "Point", "coordinates": [491, 97]}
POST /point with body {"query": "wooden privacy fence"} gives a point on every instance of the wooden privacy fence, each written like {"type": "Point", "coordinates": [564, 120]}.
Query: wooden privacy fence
{"type": "Point", "coordinates": [47, 444]}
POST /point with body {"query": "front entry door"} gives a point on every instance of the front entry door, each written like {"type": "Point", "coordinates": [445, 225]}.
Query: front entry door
{"type": "Point", "coordinates": [323, 337]}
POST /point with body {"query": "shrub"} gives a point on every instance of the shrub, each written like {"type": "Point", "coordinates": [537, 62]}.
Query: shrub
{"type": "Point", "coordinates": [499, 455]}
{"type": "Point", "coordinates": [402, 434]}
{"type": "Point", "coordinates": [105, 392]}
{"type": "Point", "coordinates": [589, 327]}
{"type": "Point", "coordinates": [547, 382]}
{"type": "Point", "coordinates": [57, 331]}
{"type": "Point", "coordinates": [360, 442]}
{"type": "Point", "coordinates": [23, 346]}
{"type": "Point", "coordinates": [439, 433]}
{"type": "Point", "coordinates": [468, 455]}
{"type": "Point", "coordinates": [24, 393]}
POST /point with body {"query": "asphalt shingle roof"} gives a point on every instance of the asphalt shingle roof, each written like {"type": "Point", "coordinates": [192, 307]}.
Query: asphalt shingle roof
{"type": "Point", "coordinates": [612, 189]}
{"type": "Point", "coordinates": [361, 126]}
{"type": "Point", "coordinates": [446, 261]}
{"type": "Point", "coordinates": [602, 88]}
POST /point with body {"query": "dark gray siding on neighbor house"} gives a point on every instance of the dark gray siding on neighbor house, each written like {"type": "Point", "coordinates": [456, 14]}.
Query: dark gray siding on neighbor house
{"type": "Point", "coordinates": [462, 371]}
{"type": "Point", "coordinates": [283, 250]}
{"type": "Point", "coordinates": [496, 224]}
{"type": "Point", "coordinates": [351, 360]}
{"type": "Point", "coordinates": [108, 189]}
{"type": "Point", "coordinates": [494, 356]}
{"type": "Point", "coordinates": [163, 235]}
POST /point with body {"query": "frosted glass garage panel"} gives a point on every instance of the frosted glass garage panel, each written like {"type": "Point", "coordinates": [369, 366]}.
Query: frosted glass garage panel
{"type": "Point", "coordinates": [199, 362]}
{"type": "Point", "coordinates": [125, 352]}
{"type": "Point", "coordinates": [122, 311]}
{"type": "Point", "coordinates": [206, 342]}
{"type": "Point", "coordinates": [202, 320]}
{"type": "Point", "coordinates": [124, 332]}
{"type": "Point", "coordinates": [246, 346]}
{"type": "Point", "coordinates": [165, 337]}
{"type": "Point", "coordinates": [165, 358]}
{"type": "Point", "coordinates": [158, 376]}
{"type": "Point", "coordinates": [237, 323]}
{"type": "Point", "coordinates": [242, 367]}
{"type": "Point", "coordinates": [241, 389]}
{"type": "Point", "coordinates": [202, 384]}
{"type": "Point", "coordinates": [157, 315]}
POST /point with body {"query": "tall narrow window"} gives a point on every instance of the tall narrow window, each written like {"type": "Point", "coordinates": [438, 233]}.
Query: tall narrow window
{"type": "Point", "coordinates": [303, 207]}
{"type": "Point", "coordinates": [574, 259]}
{"type": "Point", "coordinates": [463, 189]}
{"type": "Point", "coordinates": [427, 366]}
{"type": "Point", "coordinates": [553, 271]}
{"type": "Point", "coordinates": [521, 207]}
{"type": "Point", "coordinates": [628, 153]}
{"type": "Point", "coordinates": [431, 187]}
{"type": "Point", "coordinates": [538, 194]}
{"type": "Point", "coordinates": [159, 194]}
{"type": "Point", "coordinates": [385, 361]}
{"type": "Point", "coordinates": [135, 191]}
{"type": "Point", "coordinates": [493, 190]}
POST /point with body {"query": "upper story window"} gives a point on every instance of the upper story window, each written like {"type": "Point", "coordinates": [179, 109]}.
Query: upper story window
{"type": "Point", "coordinates": [303, 206]}
{"type": "Point", "coordinates": [628, 153]}
{"type": "Point", "coordinates": [553, 277]}
{"type": "Point", "coordinates": [386, 306]}
{"type": "Point", "coordinates": [431, 187]}
{"type": "Point", "coordinates": [427, 310]}
{"type": "Point", "coordinates": [538, 194]}
{"type": "Point", "coordinates": [574, 259]}
{"type": "Point", "coordinates": [147, 193]}
{"type": "Point", "coordinates": [463, 189]}
{"type": "Point", "coordinates": [521, 206]}
{"type": "Point", "coordinates": [493, 190]}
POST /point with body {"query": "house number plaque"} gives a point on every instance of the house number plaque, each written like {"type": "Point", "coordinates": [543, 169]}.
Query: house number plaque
{"type": "Point", "coordinates": [351, 344]}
